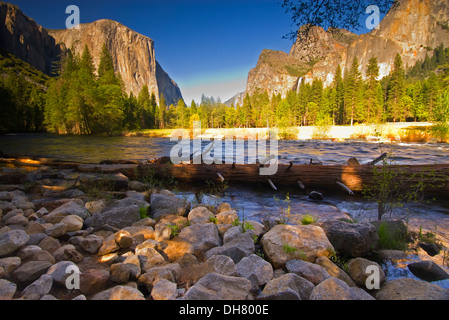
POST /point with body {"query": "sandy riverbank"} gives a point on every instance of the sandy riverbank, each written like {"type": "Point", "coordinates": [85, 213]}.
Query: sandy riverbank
{"type": "Point", "coordinates": [388, 131]}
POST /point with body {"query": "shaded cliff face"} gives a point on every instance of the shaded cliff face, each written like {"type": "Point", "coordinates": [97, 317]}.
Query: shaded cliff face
{"type": "Point", "coordinates": [411, 28]}
{"type": "Point", "coordinates": [133, 55]}
{"type": "Point", "coordinates": [25, 39]}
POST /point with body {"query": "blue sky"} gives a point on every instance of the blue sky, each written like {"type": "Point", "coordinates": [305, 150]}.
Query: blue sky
{"type": "Point", "coordinates": [206, 46]}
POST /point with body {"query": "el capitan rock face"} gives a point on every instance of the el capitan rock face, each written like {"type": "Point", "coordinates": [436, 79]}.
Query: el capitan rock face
{"type": "Point", "coordinates": [411, 28]}
{"type": "Point", "coordinates": [133, 54]}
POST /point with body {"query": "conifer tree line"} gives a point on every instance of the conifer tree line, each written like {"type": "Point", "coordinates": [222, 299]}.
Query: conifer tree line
{"type": "Point", "coordinates": [83, 100]}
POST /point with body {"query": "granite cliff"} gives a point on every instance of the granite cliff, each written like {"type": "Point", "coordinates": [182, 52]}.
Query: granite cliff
{"type": "Point", "coordinates": [25, 39]}
{"type": "Point", "coordinates": [412, 28]}
{"type": "Point", "coordinates": [133, 54]}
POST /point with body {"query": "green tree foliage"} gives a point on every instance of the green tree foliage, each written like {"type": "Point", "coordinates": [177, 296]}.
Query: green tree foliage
{"type": "Point", "coordinates": [396, 91]}
{"type": "Point", "coordinates": [82, 101]}
{"type": "Point", "coordinates": [22, 91]}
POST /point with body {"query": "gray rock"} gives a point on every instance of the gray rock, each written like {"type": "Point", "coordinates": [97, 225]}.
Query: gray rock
{"type": "Point", "coordinates": [336, 289]}
{"type": "Point", "coordinates": [306, 242]}
{"type": "Point", "coordinates": [74, 207]}
{"type": "Point", "coordinates": [287, 287]}
{"type": "Point", "coordinates": [164, 204]}
{"type": "Point", "coordinates": [200, 215]}
{"type": "Point", "coordinates": [310, 271]}
{"type": "Point", "coordinates": [170, 272]}
{"type": "Point", "coordinates": [411, 289]}
{"type": "Point", "coordinates": [91, 244]}
{"type": "Point", "coordinates": [61, 271]}
{"type": "Point", "coordinates": [256, 270]}
{"type": "Point", "coordinates": [351, 239]}
{"type": "Point", "coordinates": [7, 289]}
{"type": "Point", "coordinates": [238, 248]}
{"type": "Point", "coordinates": [38, 288]}
{"type": "Point", "coordinates": [56, 230]}
{"type": "Point", "coordinates": [164, 290]}
{"type": "Point", "coordinates": [428, 271]}
{"type": "Point", "coordinates": [11, 241]}
{"type": "Point", "coordinates": [214, 286]}
{"type": "Point", "coordinates": [222, 265]}
{"type": "Point", "coordinates": [123, 272]}
{"type": "Point", "coordinates": [31, 271]}
{"type": "Point", "coordinates": [200, 237]}
{"type": "Point", "coordinates": [123, 213]}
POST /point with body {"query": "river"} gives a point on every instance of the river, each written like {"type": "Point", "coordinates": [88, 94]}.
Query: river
{"type": "Point", "coordinates": [261, 201]}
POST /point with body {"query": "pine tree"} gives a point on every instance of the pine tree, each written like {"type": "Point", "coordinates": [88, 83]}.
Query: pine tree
{"type": "Point", "coordinates": [353, 86]}
{"type": "Point", "coordinates": [338, 102]}
{"type": "Point", "coordinates": [396, 90]}
{"type": "Point", "coordinates": [371, 92]}
{"type": "Point", "coordinates": [106, 64]}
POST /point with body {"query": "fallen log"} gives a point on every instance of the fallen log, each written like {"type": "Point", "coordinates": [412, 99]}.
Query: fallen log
{"type": "Point", "coordinates": [352, 179]}
{"type": "Point", "coordinates": [433, 178]}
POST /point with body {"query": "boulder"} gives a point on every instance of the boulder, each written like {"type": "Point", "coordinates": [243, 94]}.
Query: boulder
{"type": "Point", "coordinates": [308, 242]}
{"type": "Point", "coordinates": [223, 207]}
{"type": "Point", "coordinates": [9, 265]}
{"type": "Point", "coordinates": [31, 271]}
{"type": "Point", "coordinates": [91, 244]}
{"type": "Point", "coordinates": [287, 287]}
{"type": "Point", "coordinates": [358, 270]}
{"type": "Point", "coordinates": [166, 204]}
{"type": "Point", "coordinates": [93, 281]}
{"type": "Point", "coordinates": [7, 289]}
{"type": "Point", "coordinates": [256, 270]}
{"type": "Point", "coordinates": [310, 271]}
{"type": "Point", "coordinates": [57, 230]}
{"type": "Point", "coordinates": [123, 272]}
{"type": "Point", "coordinates": [335, 271]}
{"type": "Point", "coordinates": [200, 238]}
{"type": "Point", "coordinates": [11, 241]}
{"type": "Point", "coordinates": [428, 271]}
{"type": "Point", "coordinates": [394, 231]}
{"type": "Point", "coordinates": [411, 289]}
{"type": "Point", "coordinates": [200, 215]}
{"type": "Point", "coordinates": [238, 248]}
{"type": "Point", "coordinates": [126, 293]}
{"type": "Point", "coordinates": [73, 207]}
{"type": "Point", "coordinates": [38, 288]}
{"type": "Point", "coordinates": [73, 223]}
{"type": "Point", "coordinates": [351, 239]}
{"type": "Point", "coordinates": [336, 289]}
{"type": "Point", "coordinates": [122, 213]}
{"type": "Point", "coordinates": [61, 271]}
{"type": "Point", "coordinates": [227, 217]}
{"type": "Point", "coordinates": [170, 272]}
{"type": "Point", "coordinates": [222, 265]}
{"type": "Point", "coordinates": [96, 206]}
{"type": "Point", "coordinates": [215, 286]}
{"type": "Point", "coordinates": [430, 248]}
{"type": "Point", "coordinates": [164, 290]}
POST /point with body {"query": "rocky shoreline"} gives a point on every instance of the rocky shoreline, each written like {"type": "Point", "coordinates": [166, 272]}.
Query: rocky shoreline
{"type": "Point", "coordinates": [63, 237]}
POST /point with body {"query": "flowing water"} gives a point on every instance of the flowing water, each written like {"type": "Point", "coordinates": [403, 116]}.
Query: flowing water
{"type": "Point", "coordinates": [260, 202]}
